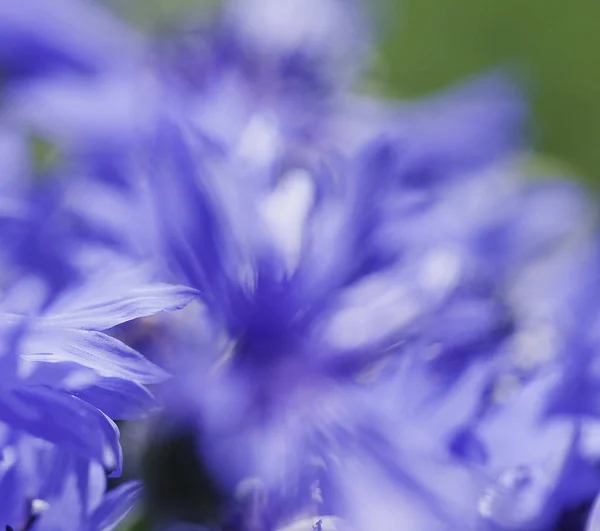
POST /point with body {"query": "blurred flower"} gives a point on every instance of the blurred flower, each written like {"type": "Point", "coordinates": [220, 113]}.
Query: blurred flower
{"type": "Point", "coordinates": [387, 322]}
{"type": "Point", "coordinates": [364, 300]}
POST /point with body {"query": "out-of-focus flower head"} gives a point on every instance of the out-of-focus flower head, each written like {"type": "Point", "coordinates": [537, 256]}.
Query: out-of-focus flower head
{"type": "Point", "coordinates": [70, 118]}
{"type": "Point", "coordinates": [395, 327]}
{"type": "Point", "coordinates": [305, 297]}
{"type": "Point", "coordinates": [362, 309]}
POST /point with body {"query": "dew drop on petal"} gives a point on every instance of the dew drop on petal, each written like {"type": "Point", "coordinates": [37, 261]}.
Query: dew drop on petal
{"type": "Point", "coordinates": [39, 506]}
{"type": "Point", "coordinates": [516, 499]}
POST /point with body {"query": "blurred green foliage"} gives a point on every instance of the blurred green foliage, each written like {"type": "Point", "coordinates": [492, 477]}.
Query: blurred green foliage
{"type": "Point", "coordinates": [44, 153]}
{"type": "Point", "coordinates": [160, 14]}
{"type": "Point", "coordinates": [552, 44]}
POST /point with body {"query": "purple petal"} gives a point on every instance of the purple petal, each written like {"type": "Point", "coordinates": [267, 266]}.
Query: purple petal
{"type": "Point", "coordinates": [103, 312]}
{"type": "Point", "coordinates": [593, 523]}
{"type": "Point", "coordinates": [117, 398]}
{"type": "Point", "coordinates": [47, 35]}
{"type": "Point", "coordinates": [13, 507]}
{"type": "Point", "coordinates": [107, 356]}
{"type": "Point", "coordinates": [488, 113]}
{"type": "Point", "coordinates": [64, 420]}
{"type": "Point", "coordinates": [115, 506]}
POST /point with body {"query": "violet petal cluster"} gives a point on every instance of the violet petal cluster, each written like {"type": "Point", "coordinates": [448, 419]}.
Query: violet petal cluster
{"type": "Point", "coordinates": [308, 308]}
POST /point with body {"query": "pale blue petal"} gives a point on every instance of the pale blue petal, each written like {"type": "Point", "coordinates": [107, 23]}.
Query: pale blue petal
{"type": "Point", "coordinates": [115, 506]}
{"type": "Point", "coordinates": [107, 356]}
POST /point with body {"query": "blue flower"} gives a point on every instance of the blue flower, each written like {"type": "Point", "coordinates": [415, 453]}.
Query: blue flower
{"type": "Point", "coordinates": [66, 279]}
{"type": "Point", "coordinates": [70, 120]}
{"type": "Point", "coordinates": [62, 370]}
{"type": "Point", "coordinates": [64, 380]}
{"type": "Point", "coordinates": [366, 291]}
{"type": "Point", "coordinates": [305, 297]}
{"type": "Point", "coordinates": [395, 326]}
{"type": "Point", "coordinates": [44, 487]}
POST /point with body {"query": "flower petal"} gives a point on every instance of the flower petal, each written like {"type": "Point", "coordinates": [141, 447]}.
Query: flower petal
{"type": "Point", "coordinates": [119, 399]}
{"type": "Point", "coordinates": [115, 506]}
{"type": "Point", "coordinates": [107, 356]}
{"type": "Point", "coordinates": [64, 420]}
{"type": "Point", "coordinates": [102, 312]}
{"type": "Point", "coordinates": [44, 36]}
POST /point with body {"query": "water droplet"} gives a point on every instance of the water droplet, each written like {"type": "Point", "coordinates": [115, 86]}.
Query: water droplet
{"type": "Point", "coordinates": [516, 500]}
{"type": "Point", "coordinates": [39, 506]}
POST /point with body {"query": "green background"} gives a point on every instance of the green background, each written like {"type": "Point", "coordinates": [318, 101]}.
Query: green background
{"type": "Point", "coordinates": [553, 44]}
